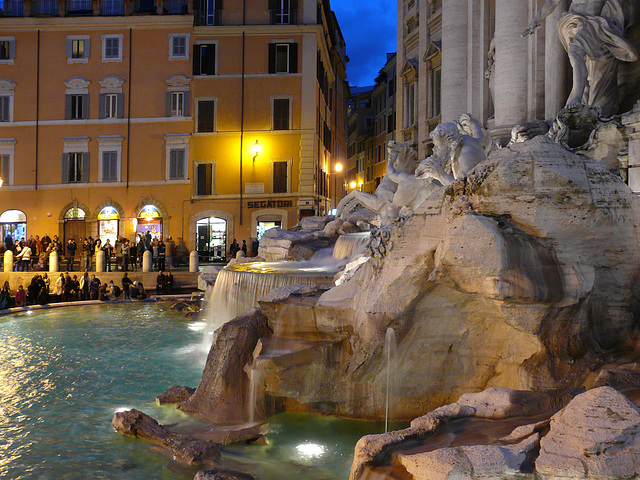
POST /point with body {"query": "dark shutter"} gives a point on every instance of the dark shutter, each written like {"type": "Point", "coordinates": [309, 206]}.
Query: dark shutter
{"type": "Point", "coordinates": [87, 48]}
{"type": "Point", "coordinates": [120, 100]}
{"type": "Point", "coordinates": [209, 59]}
{"type": "Point", "coordinates": [293, 4]}
{"type": "Point", "coordinates": [281, 114]}
{"type": "Point", "coordinates": [273, 4]}
{"type": "Point", "coordinates": [85, 167]}
{"type": "Point", "coordinates": [67, 106]}
{"type": "Point", "coordinates": [65, 168]}
{"type": "Point", "coordinates": [218, 4]}
{"type": "Point", "coordinates": [102, 105]}
{"type": "Point", "coordinates": [85, 105]}
{"type": "Point", "coordinates": [187, 102]}
{"type": "Point", "coordinates": [12, 49]}
{"type": "Point", "coordinates": [279, 177]}
{"type": "Point", "coordinates": [69, 48]}
{"type": "Point", "coordinates": [168, 110]}
{"type": "Point", "coordinates": [196, 59]}
{"type": "Point", "coordinates": [6, 171]}
{"type": "Point", "coordinates": [205, 115]}
{"type": "Point", "coordinates": [205, 176]}
{"type": "Point", "coordinates": [293, 58]}
{"type": "Point", "coordinates": [272, 58]}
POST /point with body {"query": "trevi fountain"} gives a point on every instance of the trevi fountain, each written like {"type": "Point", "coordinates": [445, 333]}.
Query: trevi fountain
{"type": "Point", "coordinates": [487, 296]}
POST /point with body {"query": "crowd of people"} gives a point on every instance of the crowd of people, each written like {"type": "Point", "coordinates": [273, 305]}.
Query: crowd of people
{"type": "Point", "coordinates": [69, 288]}
{"type": "Point", "coordinates": [33, 253]}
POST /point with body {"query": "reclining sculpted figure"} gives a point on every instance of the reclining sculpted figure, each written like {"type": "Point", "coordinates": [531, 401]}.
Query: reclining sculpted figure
{"type": "Point", "coordinates": [457, 148]}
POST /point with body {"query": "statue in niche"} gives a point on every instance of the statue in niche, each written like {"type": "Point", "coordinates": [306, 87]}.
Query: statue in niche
{"type": "Point", "coordinates": [399, 191]}
{"type": "Point", "coordinates": [592, 33]}
{"type": "Point", "coordinates": [489, 73]}
{"type": "Point", "coordinates": [457, 148]}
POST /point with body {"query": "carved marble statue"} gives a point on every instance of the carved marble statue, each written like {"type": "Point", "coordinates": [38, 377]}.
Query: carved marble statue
{"type": "Point", "coordinates": [399, 191]}
{"type": "Point", "coordinates": [592, 33]}
{"type": "Point", "coordinates": [457, 148]}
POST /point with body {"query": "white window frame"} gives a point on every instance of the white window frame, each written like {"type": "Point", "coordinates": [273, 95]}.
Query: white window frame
{"type": "Point", "coordinates": [78, 157]}
{"type": "Point", "coordinates": [78, 112]}
{"type": "Point", "coordinates": [289, 165]}
{"type": "Point", "coordinates": [7, 147]}
{"type": "Point", "coordinates": [284, 12]}
{"type": "Point", "coordinates": [85, 57]}
{"type": "Point", "coordinates": [110, 143]}
{"type": "Point", "coordinates": [111, 85]}
{"type": "Point", "coordinates": [215, 113]}
{"type": "Point", "coordinates": [177, 104]}
{"type": "Point", "coordinates": [76, 145]}
{"type": "Point", "coordinates": [118, 58]}
{"type": "Point", "coordinates": [111, 106]}
{"type": "Point", "coordinates": [282, 97]}
{"type": "Point", "coordinates": [8, 61]}
{"type": "Point", "coordinates": [177, 141]}
{"type": "Point", "coordinates": [7, 90]}
{"type": "Point", "coordinates": [172, 39]}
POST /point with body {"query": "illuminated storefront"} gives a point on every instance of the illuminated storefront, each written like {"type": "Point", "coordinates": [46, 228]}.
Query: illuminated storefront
{"type": "Point", "coordinates": [211, 239]}
{"type": "Point", "coordinates": [150, 220]}
{"type": "Point", "coordinates": [108, 220]}
{"type": "Point", "coordinates": [13, 223]}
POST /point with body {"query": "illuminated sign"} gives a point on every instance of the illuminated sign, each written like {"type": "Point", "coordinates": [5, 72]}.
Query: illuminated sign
{"type": "Point", "coordinates": [108, 213]}
{"type": "Point", "coordinates": [149, 211]}
{"type": "Point", "coordinates": [270, 204]}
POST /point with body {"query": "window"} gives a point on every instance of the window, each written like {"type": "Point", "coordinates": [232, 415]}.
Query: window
{"type": "Point", "coordinates": [204, 178]}
{"type": "Point", "coordinates": [7, 49]}
{"type": "Point", "coordinates": [178, 104]}
{"type": "Point", "coordinates": [177, 164]}
{"type": "Point", "coordinates": [5, 168]}
{"type": "Point", "coordinates": [179, 46]}
{"type": "Point", "coordinates": [112, 48]}
{"type": "Point", "coordinates": [207, 12]}
{"type": "Point", "coordinates": [204, 59]}
{"type": "Point", "coordinates": [109, 168]}
{"type": "Point", "coordinates": [206, 116]}
{"type": "Point", "coordinates": [283, 58]}
{"type": "Point", "coordinates": [76, 106]}
{"type": "Point", "coordinates": [111, 98]}
{"type": "Point", "coordinates": [78, 49]}
{"type": "Point", "coordinates": [435, 93]}
{"type": "Point", "coordinates": [409, 116]}
{"type": "Point", "coordinates": [280, 177]}
{"type": "Point", "coordinates": [281, 110]}
{"type": "Point", "coordinates": [75, 167]}
{"type": "Point", "coordinates": [110, 105]}
{"type": "Point", "coordinates": [5, 108]}
{"type": "Point", "coordinates": [391, 123]}
{"type": "Point", "coordinates": [282, 11]}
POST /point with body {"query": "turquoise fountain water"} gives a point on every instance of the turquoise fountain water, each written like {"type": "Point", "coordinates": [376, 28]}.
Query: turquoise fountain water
{"type": "Point", "coordinates": [65, 372]}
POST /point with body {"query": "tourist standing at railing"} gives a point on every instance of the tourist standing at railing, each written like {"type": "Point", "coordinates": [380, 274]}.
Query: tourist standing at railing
{"type": "Point", "coordinates": [86, 254]}
{"type": "Point", "coordinates": [126, 251]}
{"type": "Point", "coordinates": [97, 247]}
{"type": "Point", "coordinates": [108, 251]}
{"type": "Point", "coordinates": [162, 252]}
{"type": "Point", "coordinates": [171, 252]}
{"type": "Point", "coordinates": [140, 251]}
{"type": "Point", "coordinates": [71, 253]}
{"type": "Point", "coordinates": [23, 259]}
{"type": "Point", "coordinates": [84, 286]}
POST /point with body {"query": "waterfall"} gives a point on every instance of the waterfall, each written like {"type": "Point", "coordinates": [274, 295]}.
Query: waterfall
{"type": "Point", "coordinates": [239, 287]}
{"type": "Point", "coordinates": [349, 244]}
{"type": "Point", "coordinates": [253, 393]}
{"type": "Point", "coordinates": [390, 352]}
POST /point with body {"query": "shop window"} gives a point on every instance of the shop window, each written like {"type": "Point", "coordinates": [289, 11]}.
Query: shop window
{"type": "Point", "coordinates": [211, 241]}
{"type": "Point", "coordinates": [108, 220]}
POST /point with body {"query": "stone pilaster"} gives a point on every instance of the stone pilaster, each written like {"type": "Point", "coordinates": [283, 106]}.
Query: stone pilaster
{"type": "Point", "coordinates": [556, 64]}
{"type": "Point", "coordinates": [454, 58]}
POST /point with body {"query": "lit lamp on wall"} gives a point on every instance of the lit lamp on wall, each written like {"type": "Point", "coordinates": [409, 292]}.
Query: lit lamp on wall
{"type": "Point", "coordinates": [338, 168]}
{"type": "Point", "coordinates": [353, 185]}
{"type": "Point", "coordinates": [256, 150]}
{"type": "Point", "coordinates": [1, 181]}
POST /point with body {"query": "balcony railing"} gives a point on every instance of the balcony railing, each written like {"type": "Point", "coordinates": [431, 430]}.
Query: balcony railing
{"type": "Point", "coordinates": [112, 7]}
{"type": "Point", "coordinates": [12, 8]}
{"type": "Point", "coordinates": [144, 6]}
{"type": "Point", "coordinates": [79, 7]}
{"type": "Point", "coordinates": [44, 7]}
{"type": "Point", "coordinates": [175, 7]}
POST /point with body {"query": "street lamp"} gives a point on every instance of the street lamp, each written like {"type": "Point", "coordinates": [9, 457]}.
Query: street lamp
{"type": "Point", "coordinates": [256, 150]}
{"type": "Point", "coordinates": [1, 181]}
{"type": "Point", "coordinates": [338, 168]}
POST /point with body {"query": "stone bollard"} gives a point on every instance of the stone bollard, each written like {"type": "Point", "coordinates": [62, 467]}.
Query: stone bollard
{"type": "Point", "coordinates": [147, 261]}
{"type": "Point", "coordinates": [100, 261]}
{"type": "Point", "coordinates": [193, 261]}
{"type": "Point", "coordinates": [53, 261]}
{"type": "Point", "coordinates": [8, 261]}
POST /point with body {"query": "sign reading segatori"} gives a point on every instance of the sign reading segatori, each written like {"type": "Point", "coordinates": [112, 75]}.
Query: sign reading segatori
{"type": "Point", "coordinates": [270, 204]}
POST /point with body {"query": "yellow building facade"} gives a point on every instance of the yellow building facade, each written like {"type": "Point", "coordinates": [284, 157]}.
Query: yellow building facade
{"type": "Point", "coordinates": [119, 117]}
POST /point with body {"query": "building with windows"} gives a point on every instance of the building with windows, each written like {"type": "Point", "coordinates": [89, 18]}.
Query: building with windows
{"type": "Point", "coordinates": [119, 117]}
{"type": "Point", "coordinates": [371, 125]}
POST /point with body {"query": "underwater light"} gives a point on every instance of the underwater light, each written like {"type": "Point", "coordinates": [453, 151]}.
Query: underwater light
{"type": "Point", "coordinates": [310, 450]}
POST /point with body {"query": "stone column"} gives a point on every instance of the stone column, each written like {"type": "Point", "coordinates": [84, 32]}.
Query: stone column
{"type": "Point", "coordinates": [511, 67]}
{"type": "Point", "coordinates": [556, 63]}
{"type": "Point", "coordinates": [454, 59]}
{"type": "Point", "coordinates": [8, 261]}
{"type": "Point", "coordinates": [147, 261]}
{"type": "Point", "coordinates": [100, 261]}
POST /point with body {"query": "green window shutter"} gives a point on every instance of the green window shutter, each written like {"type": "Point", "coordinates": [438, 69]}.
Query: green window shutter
{"type": "Point", "coordinates": [85, 105]}
{"type": "Point", "coordinates": [187, 103]}
{"type": "Point", "coordinates": [196, 59]}
{"type": "Point", "coordinates": [293, 58]}
{"type": "Point", "coordinates": [85, 167]}
{"type": "Point", "coordinates": [87, 48]}
{"type": "Point", "coordinates": [12, 49]}
{"type": "Point", "coordinates": [102, 105]}
{"type": "Point", "coordinates": [168, 109]}
{"type": "Point", "coordinates": [69, 48]}
{"type": "Point", "coordinates": [65, 168]}
{"type": "Point", "coordinates": [67, 107]}
{"type": "Point", "coordinates": [120, 100]}
{"type": "Point", "coordinates": [272, 58]}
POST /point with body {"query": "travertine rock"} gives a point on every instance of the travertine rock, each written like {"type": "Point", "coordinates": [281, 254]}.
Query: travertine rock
{"type": "Point", "coordinates": [597, 435]}
{"type": "Point", "coordinates": [185, 448]}
{"type": "Point", "coordinates": [221, 394]}
{"type": "Point", "coordinates": [221, 475]}
{"type": "Point", "coordinates": [174, 394]}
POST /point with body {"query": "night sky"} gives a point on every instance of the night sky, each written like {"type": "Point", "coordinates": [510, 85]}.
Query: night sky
{"type": "Point", "coordinates": [369, 30]}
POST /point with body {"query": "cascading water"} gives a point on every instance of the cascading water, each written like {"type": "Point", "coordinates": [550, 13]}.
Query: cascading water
{"type": "Point", "coordinates": [238, 287]}
{"type": "Point", "coordinates": [253, 394]}
{"type": "Point", "coordinates": [350, 244]}
{"type": "Point", "coordinates": [390, 346]}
